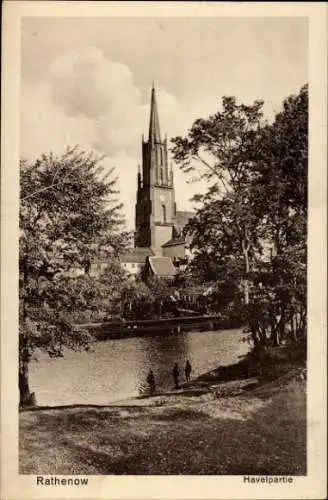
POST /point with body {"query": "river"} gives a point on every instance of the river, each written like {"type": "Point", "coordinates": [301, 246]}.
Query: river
{"type": "Point", "coordinates": [115, 369]}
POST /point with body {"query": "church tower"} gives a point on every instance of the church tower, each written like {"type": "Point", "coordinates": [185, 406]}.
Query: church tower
{"type": "Point", "coordinates": [155, 207]}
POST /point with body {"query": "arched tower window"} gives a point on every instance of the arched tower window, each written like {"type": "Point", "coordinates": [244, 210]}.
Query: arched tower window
{"type": "Point", "coordinates": [161, 150]}
{"type": "Point", "coordinates": [163, 214]}
{"type": "Point", "coordinates": [162, 176]}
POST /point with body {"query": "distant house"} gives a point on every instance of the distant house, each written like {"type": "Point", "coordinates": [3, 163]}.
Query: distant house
{"type": "Point", "coordinates": [175, 247]}
{"type": "Point", "coordinates": [159, 267]}
{"type": "Point", "coordinates": [97, 267]}
{"type": "Point", "coordinates": [134, 260]}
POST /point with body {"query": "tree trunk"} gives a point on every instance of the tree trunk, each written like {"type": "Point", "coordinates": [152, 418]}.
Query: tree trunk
{"type": "Point", "coordinates": [282, 323]}
{"type": "Point", "coordinates": [293, 322]}
{"type": "Point", "coordinates": [246, 292]}
{"type": "Point", "coordinates": [25, 396]}
{"type": "Point", "coordinates": [245, 248]}
{"type": "Point", "coordinates": [262, 334]}
{"type": "Point", "coordinates": [274, 324]}
{"type": "Point", "coordinates": [275, 338]}
{"type": "Point", "coordinates": [303, 323]}
{"type": "Point", "coordinates": [254, 329]}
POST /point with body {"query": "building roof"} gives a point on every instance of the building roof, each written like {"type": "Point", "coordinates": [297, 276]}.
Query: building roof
{"type": "Point", "coordinates": [137, 255]}
{"type": "Point", "coordinates": [182, 218]}
{"type": "Point", "coordinates": [154, 132]}
{"type": "Point", "coordinates": [178, 240]}
{"type": "Point", "coordinates": [162, 266]}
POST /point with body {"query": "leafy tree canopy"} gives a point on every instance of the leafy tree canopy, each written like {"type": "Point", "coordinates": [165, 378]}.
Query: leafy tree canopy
{"type": "Point", "coordinates": [251, 223]}
{"type": "Point", "coordinates": [69, 216]}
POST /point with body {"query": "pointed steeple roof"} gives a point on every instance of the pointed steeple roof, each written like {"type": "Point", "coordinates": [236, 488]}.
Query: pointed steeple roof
{"type": "Point", "coordinates": [154, 132]}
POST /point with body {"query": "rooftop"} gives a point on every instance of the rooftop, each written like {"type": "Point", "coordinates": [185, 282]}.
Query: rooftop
{"type": "Point", "coordinates": [138, 255]}
{"type": "Point", "coordinates": [162, 266]}
{"type": "Point", "coordinates": [182, 218]}
{"type": "Point", "coordinates": [178, 240]}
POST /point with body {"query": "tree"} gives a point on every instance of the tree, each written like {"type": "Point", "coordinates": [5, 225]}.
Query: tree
{"type": "Point", "coordinates": [252, 221]}
{"type": "Point", "coordinates": [137, 300]}
{"type": "Point", "coordinates": [161, 290]}
{"type": "Point", "coordinates": [101, 293]}
{"type": "Point", "coordinates": [221, 149]}
{"type": "Point", "coordinates": [280, 194]}
{"type": "Point", "coordinates": [68, 214]}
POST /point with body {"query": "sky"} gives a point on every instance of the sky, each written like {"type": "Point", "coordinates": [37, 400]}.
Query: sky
{"type": "Point", "coordinates": [87, 82]}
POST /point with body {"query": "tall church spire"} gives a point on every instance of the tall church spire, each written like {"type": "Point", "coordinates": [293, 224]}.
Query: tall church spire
{"type": "Point", "coordinates": [154, 132]}
{"type": "Point", "coordinates": [155, 208]}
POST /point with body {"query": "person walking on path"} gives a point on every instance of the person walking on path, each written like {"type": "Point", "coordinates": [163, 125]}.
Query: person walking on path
{"type": "Point", "coordinates": [176, 376]}
{"type": "Point", "coordinates": [187, 370]}
{"type": "Point", "coordinates": [151, 381]}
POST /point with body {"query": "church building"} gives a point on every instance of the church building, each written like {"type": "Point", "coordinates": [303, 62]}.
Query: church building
{"type": "Point", "coordinates": [159, 245]}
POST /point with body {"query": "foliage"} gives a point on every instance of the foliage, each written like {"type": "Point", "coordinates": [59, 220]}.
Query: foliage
{"type": "Point", "coordinates": [101, 293]}
{"type": "Point", "coordinates": [137, 301]}
{"type": "Point", "coordinates": [249, 232]}
{"type": "Point", "coordinates": [144, 301]}
{"type": "Point", "coordinates": [68, 215]}
{"type": "Point", "coordinates": [281, 201]}
{"type": "Point", "coordinates": [222, 149]}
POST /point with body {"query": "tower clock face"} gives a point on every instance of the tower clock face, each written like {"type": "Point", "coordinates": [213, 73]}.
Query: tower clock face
{"type": "Point", "coordinates": [162, 197]}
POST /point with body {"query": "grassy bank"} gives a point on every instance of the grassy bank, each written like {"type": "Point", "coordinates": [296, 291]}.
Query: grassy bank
{"type": "Point", "coordinates": [239, 426]}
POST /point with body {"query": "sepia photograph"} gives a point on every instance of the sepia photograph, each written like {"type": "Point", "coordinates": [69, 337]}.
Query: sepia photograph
{"type": "Point", "coordinates": [163, 247]}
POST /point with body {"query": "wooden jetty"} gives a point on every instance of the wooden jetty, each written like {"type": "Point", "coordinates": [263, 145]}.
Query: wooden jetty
{"type": "Point", "coordinates": [135, 328]}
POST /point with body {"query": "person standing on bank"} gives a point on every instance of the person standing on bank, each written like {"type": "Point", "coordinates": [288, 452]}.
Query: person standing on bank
{"type": "Point", "coordinates": [187, 370]}
{"type": "Point", "coordinates": [151, 381]}
{"type": "Point", "coordinates": [176, 376]}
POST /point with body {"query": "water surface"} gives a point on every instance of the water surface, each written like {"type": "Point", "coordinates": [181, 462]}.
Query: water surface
{"type": "Point", "coordinates": [115, 369]}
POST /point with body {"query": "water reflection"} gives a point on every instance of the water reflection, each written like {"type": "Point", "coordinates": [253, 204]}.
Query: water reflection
{"type": "Point", "coordinates": [159, 354]}
{"type": "Point", "coordinates": [116, 368]}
